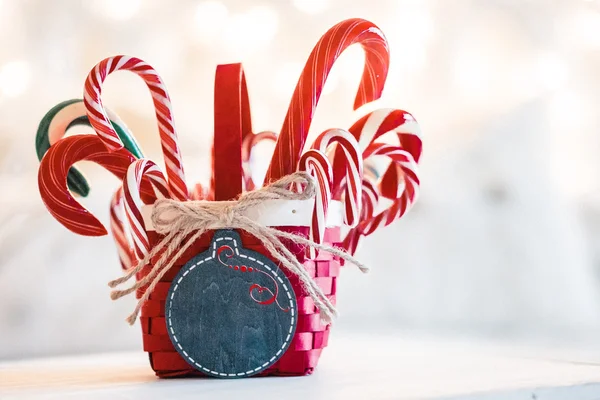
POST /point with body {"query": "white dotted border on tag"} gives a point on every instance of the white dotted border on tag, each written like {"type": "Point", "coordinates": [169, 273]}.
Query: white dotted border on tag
{"type": "Point", "coordinates": [237, 252]}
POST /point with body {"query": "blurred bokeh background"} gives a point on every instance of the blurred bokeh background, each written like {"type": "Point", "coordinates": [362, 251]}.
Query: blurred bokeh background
{"type": "Point", "coordinates": [504, 241]}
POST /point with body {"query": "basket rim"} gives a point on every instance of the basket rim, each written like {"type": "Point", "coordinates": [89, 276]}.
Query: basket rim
{"type": "Point", "coordinates": [277, 212]}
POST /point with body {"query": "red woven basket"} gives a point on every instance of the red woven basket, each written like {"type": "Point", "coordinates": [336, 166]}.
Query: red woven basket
{"type": "Point", "coordinates": [311, 335]}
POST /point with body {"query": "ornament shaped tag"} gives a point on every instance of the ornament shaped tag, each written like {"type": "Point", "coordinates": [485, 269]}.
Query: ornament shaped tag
{"type": "Point", "coordinates": [231, 312]}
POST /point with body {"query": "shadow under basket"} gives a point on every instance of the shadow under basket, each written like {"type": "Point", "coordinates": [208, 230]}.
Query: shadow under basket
{"type": "Point", "coordinates": [310, 338]}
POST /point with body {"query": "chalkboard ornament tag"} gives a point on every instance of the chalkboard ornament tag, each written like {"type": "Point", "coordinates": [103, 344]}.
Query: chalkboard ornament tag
{"type": "Point", "coordinates": [231, 312]}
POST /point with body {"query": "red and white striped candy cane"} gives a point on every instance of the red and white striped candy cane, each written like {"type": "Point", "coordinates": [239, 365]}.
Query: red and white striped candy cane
{"type": "Point", "coordinates": [409, 194]}
{"type": "Point", "coordinates": [199, 192]}
{"type": "Point", "coordinates": [370, 201]}
{"type": "Point", "coordinates": [378, 123]}
{"type": "Point", "coordinates": [139, 170]}
{"type": "Point", "coordinates": [316, 163]}
{"type": "Point", "coordinates": [410, 183]}
{"type": "Point", "coordinates": [353, 171]}
{"type": "Point", "coordinates": [119, 232]}
{"type": "Point", "coordinates": [308, 90]}
{"type": "Point", "coordinates": [248, 144]}
{"type": "Point", "coordinates": [162, 104]}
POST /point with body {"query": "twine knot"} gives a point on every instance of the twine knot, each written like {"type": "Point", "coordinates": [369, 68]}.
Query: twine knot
{"type": "Point", "coordinates": [178, 220]}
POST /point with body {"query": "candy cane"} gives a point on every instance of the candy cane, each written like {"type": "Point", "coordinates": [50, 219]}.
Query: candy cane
{"type": "Point", "coordinates": [376, 124]}
{"type": "Point", "coordinates": [52, 179]}
{"type": "Point", "coordinates": [248, 144]}
{"type": "Point", "coordinates": [410, 183]}
{"type": "Point", "coordinates": [198, 192]}
{"type": "Point", "coordinates": [132, 183]}
{"type": "Point", "coordinates": [317, 164]}
{"type": "Point", "coordinates": [119, 231]}
{"type": "Point", "coordinates": [308, 91]}
{"type": "Point", "coordinates": [370, 201]}
{"type": "Point", "coordinates": [353, 172]}
{"type": "Point", "coordinates": [162, 103]}
{"type": "Point", "coordinates": [62, 117]}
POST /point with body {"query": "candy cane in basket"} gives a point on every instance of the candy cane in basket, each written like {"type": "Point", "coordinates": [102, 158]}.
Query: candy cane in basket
{"type": "Point", "coordinates": [132, 183]}
{"type": "Point", "coordinates": [164, 115]}
{"type": "Point", "coordinates": [308, 90]}
{"type": "Point", "coordinates": [370, 200]}
{"type": "Point", "coordinates": [66, 115]}
{"type": "Point", "coordinates": [378, 123]}
{"type": "Point", "coordinates": [353, 171]}
{"type": "Point", "coordinates": [317, 164]}
{"type": "Point", "coordinates": [119, 232]}
{"type": "Point", "coordinates": [248, 144]}
{"type": "Point", "coordinates": [52, 179]}
{"type": "Point", "coordinates": [411, 183]}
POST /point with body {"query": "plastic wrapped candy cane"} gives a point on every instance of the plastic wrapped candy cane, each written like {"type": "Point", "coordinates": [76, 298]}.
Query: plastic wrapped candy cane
{"type": "Point", "coordinates": [162, 103]}
{"type": "Point", "coordinates": [353, 171]}
{"type": "Point", "coordinates": [52, 179]}
{"type": "Point", "coordinates": [132, 183]}
{"type": "Point", "coordinates": [64, 116]}
{"type": "Point", "coordinates": [317, 164]}
{"type": "Point", "coordinates": [308, 90]}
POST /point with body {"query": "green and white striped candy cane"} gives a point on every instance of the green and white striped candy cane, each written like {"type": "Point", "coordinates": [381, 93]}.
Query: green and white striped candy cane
{"type": "Point", "coordinates": [66, 115]}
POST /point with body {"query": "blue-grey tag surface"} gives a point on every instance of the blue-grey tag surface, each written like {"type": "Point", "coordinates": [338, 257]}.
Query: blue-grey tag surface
{"type": "Point", "coordinates": [231, 312]}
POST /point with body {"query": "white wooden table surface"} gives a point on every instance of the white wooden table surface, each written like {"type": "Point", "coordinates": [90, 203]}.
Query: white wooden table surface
{"type": "Point", "coordinates": [354, 366]}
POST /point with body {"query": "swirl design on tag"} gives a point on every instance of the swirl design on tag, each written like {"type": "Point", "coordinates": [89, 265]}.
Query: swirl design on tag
{"type": "Point", "coordinates": [228, 252]}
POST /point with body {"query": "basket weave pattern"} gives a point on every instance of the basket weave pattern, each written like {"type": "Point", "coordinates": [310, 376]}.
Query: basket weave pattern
{"type": "Point", "coordinates": [311, 335]}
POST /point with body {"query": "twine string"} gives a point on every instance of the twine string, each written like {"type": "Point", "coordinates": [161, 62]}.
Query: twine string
{"type": "Point", "coordinates": [182, 223]}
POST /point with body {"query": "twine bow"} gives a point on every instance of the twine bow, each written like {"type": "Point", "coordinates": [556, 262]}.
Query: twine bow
{"type": "Point", "coordinates": [178, 220]}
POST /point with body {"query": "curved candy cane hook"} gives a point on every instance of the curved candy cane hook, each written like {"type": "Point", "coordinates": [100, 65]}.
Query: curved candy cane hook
{"type": "Point", "coordinates": [62, 117]}
{"type": "Point", "coordinates": [308, 90]}
{"type": "Point", "coordinates": [248, 144]}
{"type": "Point", "coordinates": [132, 185]}
{"type": "Point", "coordinates": [119, 230]}
{"type": "Point", "coordinates": [162, 103]}
{"type": "Point", "coordinates": [52, 179]}
{"type": "Point", "coordinates": [378, 123]}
